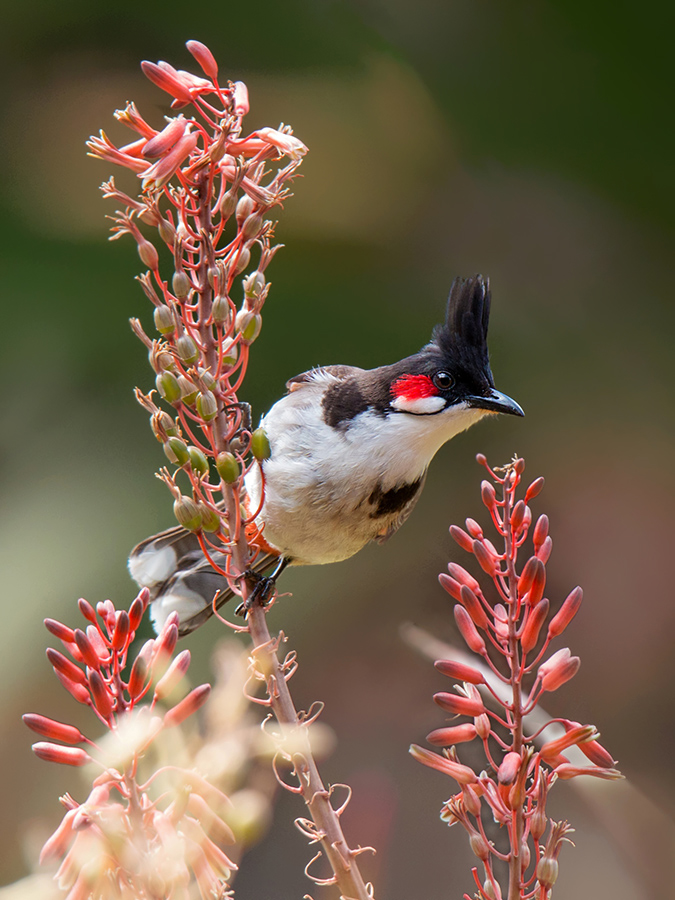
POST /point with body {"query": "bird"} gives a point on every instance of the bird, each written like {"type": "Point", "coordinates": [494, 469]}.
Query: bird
{"type": "Point", "coordinates": [349, 454]}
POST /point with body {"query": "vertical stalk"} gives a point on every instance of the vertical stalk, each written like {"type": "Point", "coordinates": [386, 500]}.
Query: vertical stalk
{"type": "Point", "coordinates": [518, 822]}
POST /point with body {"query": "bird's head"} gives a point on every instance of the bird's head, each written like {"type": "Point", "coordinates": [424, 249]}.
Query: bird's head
{"type": "Point", "coordinates": [453, 370]}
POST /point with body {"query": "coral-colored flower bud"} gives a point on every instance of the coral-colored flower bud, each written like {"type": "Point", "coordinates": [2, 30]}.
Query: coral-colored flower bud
{"type": "Point", "coordinates": [167, 81]}
{"type": "Point", "coordinates": [462, 538]}
{"type": "Point", "coordinates": [187, 706]}
{"type": "Point", "coordinates": [544, 551]}
{"type": "Point", "coordinates": [479, 845]}
{"type": "Point", "coordinates": [75, 689]}
{"type": "Point", "coordinates": [173, 675]}
{"type": "Point", "coordinates": [540, 531]}
{"type": "Point", "coordinates": [576, 735]}
{"type": "Point", "coordinates": [534, 489]}
{"type": "Point", "coordinates": [204, 57]}
{"type": "Point", "coordinates": [62, 632]}
{"type": "Point", "coordinates": [471, 800]}
{"type": "Point", "coordinates": [535, 620]}
{"type": "Point", "coordinates": [450, 585]}
{"type": "Point", "coordinates": [69, 756]}
{"type": "Point", "coordinates": [468, 630]}
{"type": "Point", "coordinates": [474, 530]}
{"type": "Point", "coordinates": [87, 610]}
{"type": "Point", "coordinates": [135, 614]}
{"type": "Point", "coordinates": [482, 724]}
{"type": "Point", "coordinates": [455, 734]}
{"type": "Point", "coordinates": [50, 728]}
{"type": "Point", "coordinates": [103, 699]}
{"type": "Point", "coordinates": [461, 706]}
{"type": "Point", "coordinates": [518, 516]}
{"type": "Point", "coordinates": [472, 605]}
{"type": "Point", "coordinates": [533, 571]}
{"type": "Point", "coordinates": [508, 770]}
{"type": "Point", "coordinates": [63, 665]}
{"type": "Point", "coordinates": [459, 573]}
{"type": "Point", "coordinates": [462, 774]}
{"type": "Point", "coordinates": [487, 493]}
{"type": "Point", "coordinates": [558, 669]}
{"type": "Point", "coordinates": [89, 655]}
{"type": "Point", "coordinates": [566, 613]}
{"type": "Point", "coordinates": [137, 679]}
{"type": "Point", "coordinates": [164, 140]}
{"type": "Point", "coordinates": [121, 631]}
{"type": "Point", "coordinates": [168, 637]}
{"type": "Point", "coordinates": [240, 104]}
{"type": "Point", "coordinates": [459, 671]}
{"type": "Point", "coordinates": [486, 560]}
{"type": "Point", "coordinates": [597, 754]}
{"type": "Point", "coordinates": [568, 771]}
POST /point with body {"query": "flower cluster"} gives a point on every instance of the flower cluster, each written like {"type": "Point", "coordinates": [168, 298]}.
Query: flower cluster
{"type": "Point", "coordinates": [208, 189]}
{"type": "Point", "coordinates": [512, 636]}
{"type": "Point", "coordinates": [130, 839]}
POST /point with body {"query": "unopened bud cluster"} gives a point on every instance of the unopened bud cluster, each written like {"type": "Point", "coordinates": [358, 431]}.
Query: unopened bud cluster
{"type": "Point", "coordinates": [209, 191]}
{"type": "Point", "coordinates": [511, 634]}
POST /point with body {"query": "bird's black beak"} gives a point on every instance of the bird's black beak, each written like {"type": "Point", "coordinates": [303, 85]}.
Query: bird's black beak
{"type": "Point", "coordinates": [497, 402]}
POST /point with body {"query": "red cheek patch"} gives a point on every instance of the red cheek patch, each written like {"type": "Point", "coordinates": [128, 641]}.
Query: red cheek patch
{"type": "Point", "coordinates": [414, 387]}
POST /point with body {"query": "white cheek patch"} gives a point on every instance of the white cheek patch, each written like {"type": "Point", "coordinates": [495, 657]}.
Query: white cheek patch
{"type": "Point", "coordinates": [418, 405]}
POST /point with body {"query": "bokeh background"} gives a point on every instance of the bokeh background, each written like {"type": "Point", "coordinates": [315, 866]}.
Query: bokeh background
{"type": "Point", "coordinates": [530, 141]}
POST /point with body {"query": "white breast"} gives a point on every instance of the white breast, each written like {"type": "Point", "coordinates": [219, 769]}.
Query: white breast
{"type": "Point", "coordinates": [318, 478]}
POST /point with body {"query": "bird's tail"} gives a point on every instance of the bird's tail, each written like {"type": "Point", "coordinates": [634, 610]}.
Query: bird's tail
{"type": "Point", "coordinates": [173, 567]}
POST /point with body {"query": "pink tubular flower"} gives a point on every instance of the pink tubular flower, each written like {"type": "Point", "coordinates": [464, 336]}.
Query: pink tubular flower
{"type": "Point", "coordinates": [462, 774]}
{"type": "Point", "coordinates": [558, 669]}
{"type": "Point", "coordinates": [167, 79]}
{"type": "Point", "coordinates": [205, 58]}
{"type": "Point", "coordinates": [455, 734]}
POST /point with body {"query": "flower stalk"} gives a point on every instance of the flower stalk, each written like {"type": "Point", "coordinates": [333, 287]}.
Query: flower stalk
{"type": "Point", "coordinates": [511, 636]}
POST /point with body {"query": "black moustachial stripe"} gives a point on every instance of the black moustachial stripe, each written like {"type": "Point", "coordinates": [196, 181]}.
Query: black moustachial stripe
{"type": "Point", "coordinates": [388, 503]}
{"type": "Point", "coordinates": [342, 402]}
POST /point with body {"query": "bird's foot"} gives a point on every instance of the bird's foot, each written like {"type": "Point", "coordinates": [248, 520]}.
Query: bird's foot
{"type": "Point", "coordinates": [262, 591]}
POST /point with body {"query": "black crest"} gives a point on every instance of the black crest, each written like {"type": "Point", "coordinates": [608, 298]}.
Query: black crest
{"type": "Point", "coordinates": [463, 336]}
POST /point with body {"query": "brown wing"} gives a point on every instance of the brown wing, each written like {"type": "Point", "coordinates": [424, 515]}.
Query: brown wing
{"type": "Point", "coordinates": [320, 374]}
{"type": "Point", "coordinates": [394, 526]}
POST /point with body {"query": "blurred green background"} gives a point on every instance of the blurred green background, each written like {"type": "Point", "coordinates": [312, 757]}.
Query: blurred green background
{"type": "Point", "coordinates": [528, 141]}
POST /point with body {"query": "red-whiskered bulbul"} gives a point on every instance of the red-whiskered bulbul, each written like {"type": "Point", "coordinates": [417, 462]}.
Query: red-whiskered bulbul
{"type": "Point", "coordinates": [350, 450]}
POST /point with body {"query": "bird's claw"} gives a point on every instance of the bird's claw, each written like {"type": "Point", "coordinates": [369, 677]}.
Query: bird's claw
{"type": "Point", "coordinates": [263, 588]}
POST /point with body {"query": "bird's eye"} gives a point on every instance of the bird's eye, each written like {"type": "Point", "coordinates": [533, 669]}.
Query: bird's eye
{"type": "Point", "coordinates": [443, 381]}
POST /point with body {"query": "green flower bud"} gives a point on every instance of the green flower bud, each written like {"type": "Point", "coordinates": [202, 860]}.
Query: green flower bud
{"type": "Point", "coordinates": [228, 467]}
{"type": "Point", "coordinates": [244, 208]}
{"type": "Point", "coordinates": [252, 227]}
{"type": "Point", "coordinates": [187, 349]}
{"type": "Point", "coordinates": [212, 276]}
{"type": "Point", "coordinates": [260, 445]}
{"type": "Point", "coordinates": [176, 451]}
{"type": "Point", "coordinates": [164, 320]}
{"type": "Point", "coordinates": [254, 284]}
{"type": "Point", "coordinates": [168, 387]}
{"type": "Point", "coordinates": [181, 285]}
{"type": "Point", "coordinates": [252, 330]}
{"type": "Point", "coordinates": [228, 203]}
{"type": "Point", "coordinates": [230, 353]}
{"type": "Point", "coordinates": [187, 513]}
{"type": "Point", "coordinates": [220, 311]}
{"type": "Point", "coordinates": [162, 424]}
{"type": "Point", "coordinates": [188, 391]}
{"type": "Point", "coordinates": [210, 518]}
{"type": "Point", "coordinates": [198, 461]}
{"type": "Point", "coordinates": [243, 259]}
{"type": "Point", "coordinates": [206, 377]}
{"type": "Point", "coordinates": [207, 406]}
